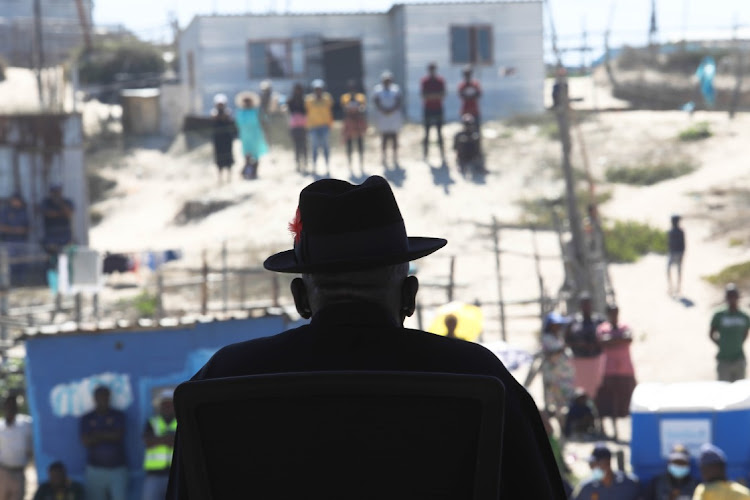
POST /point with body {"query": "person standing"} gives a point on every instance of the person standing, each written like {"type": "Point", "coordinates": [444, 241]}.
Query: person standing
{"type": "Point", "coordinates": [254, 145]}
{"type": "Point", "coordinates": [729, 328]}
{"type": "Point", "coordinates": [716, 485]}
{"type": "Point", "coordinates": [58, 214]}
{"type": "Point", "coordinates": [298, 125]}
{"type": "Point", "coordinates": [319, 107]}
{"type": "Point", "coordinates": [59, 486]}
{"type": "Point", "coordinates": [433, 93]}
{"type": "Point", "coordinates": [558, 375]}
{"type": "Point", "coordinates": [16, 448]}
{"type": "Point", "coordinates": [223, 133]}
{"type": "Point", "coordinates": [354, 104]}
{"type": "Point", "coordinates": [676, 250]}
{"type": "Point", "coordinates": [158, 437]}
{"type": "Point", "coordinates": [588, 360]}
{"type": "Point", "coordinates": [102, 433]}
{"type": "Point", "coordinates": [469, 91]}
{"type": "Point", "coordinates": [267, 106]}
{"type": "Point", "coordinates": [676, 483]}
{"type": "Point", "coordinates": [388, 119]}
{"type": "Point", "coordinates": [605, 483]}
{"type": "Point", "coordinates": [14, 220]}
{"type": "Point", "coordinates": [613, 398]}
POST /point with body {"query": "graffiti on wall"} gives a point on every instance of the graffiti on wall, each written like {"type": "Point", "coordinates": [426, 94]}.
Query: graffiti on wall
{"type": "Point", "coordinates": [76, 398]}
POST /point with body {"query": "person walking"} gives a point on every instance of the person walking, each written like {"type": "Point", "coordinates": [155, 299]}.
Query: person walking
{"type": "Point", "coordinates": [729, 328]}
{"type": "Point", "coordinates": [676, 251]}
{"type": "Point", "coordinates": [223, 131]}
{"type": "Point", "coordinates": [676, 483]}
{"type": "Point", "coordinates": [254, 145]}
{"type": "Point", "coordinates": [158, 438]}
{"type": "Point", "coordinates": [581, 337]}
{"type": "Point", "coordinates": [388, 119]}
{"type": "Point", "coordinates": [716, 485]}
{"type": "Point", "coordinates": [354, 104]}
{"type": "Point", "coordinates": [469, 91]}
{"type": "Point", "coordinates": [433, 93]}
{"type": "Point", "coordinates": [102, 432]}
{"type": "Point", "coordinates": [298, 125]}
{"type": "Point", "coordinates": [319, 107]}
{"type": "Point", "coordinates": [357, 294]}
{"type": "Point", "coordinates": [15, 450]}
{"type": "Point", "coordinates": [613, 397]}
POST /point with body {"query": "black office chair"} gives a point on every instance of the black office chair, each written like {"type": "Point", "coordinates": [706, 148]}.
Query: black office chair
{"type": "Point", "coordinates": [346, 435]}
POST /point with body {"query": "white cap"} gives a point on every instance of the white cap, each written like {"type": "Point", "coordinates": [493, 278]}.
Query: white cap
{"type": "Point", "coordinates": [166, 394]}
{"type": "Point", "coordinates": [318, 83]}
{"type": "Point", "coordinates": [265, 84]}
{"type": "Point", "coordinates": [386, 75]}
{"type": "Point", "coordinates": [220, 99]}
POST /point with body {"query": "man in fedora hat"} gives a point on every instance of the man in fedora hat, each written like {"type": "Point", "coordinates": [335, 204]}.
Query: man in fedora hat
{"type": "Point", "coordinates": [352, 252]}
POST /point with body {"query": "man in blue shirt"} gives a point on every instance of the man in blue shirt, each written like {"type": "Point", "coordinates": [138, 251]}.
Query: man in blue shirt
{"type": "Point", "coordinates": [604, 482]}
{"type": "Point", "coordinates": [102, 432]}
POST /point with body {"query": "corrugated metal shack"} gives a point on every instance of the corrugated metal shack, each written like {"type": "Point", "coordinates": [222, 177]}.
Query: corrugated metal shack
{"type": "Point", "coordinates": [37, 151]}
{"type": "Point", "coordinates": [502, 39]}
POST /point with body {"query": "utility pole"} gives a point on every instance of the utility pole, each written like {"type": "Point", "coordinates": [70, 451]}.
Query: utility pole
{"type": "Point", "coordinates": [38, 50]}
{"type": "Point", "coordinates": [580, 259]}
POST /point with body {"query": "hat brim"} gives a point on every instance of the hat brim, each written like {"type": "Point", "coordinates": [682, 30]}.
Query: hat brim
{"type": "Point", "coordinates": [286, 261]}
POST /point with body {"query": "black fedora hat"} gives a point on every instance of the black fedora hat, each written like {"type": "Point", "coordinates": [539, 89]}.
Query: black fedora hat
{"type": "Point", "coordinates": [346, 227]}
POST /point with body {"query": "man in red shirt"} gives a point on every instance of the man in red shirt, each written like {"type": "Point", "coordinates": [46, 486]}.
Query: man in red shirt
{"type": "Point", "coordinates": [469, 91]}
{"type": "Point", "coordinates": [433, 93]}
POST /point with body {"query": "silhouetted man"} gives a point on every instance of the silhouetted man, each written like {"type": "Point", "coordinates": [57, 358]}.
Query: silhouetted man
{"type": "Point", "coordinates": [352, 251]}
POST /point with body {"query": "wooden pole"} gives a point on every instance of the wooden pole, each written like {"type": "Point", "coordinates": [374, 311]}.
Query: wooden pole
{"type": "Point", "coordinates": [159, 296]}
{"type": "Point", "coordinates": [224, 279]}
{"type": "Point", "coordinates": [499, 276]}
{"type": "Point", "coordinates": [582, 276]}
{"type": "Point", "coordinates": [4, 290]}
{"type": "Point", "coordinates": [95, 305]}
{"type": "Point", "coordinates": [451, 278]}
{"type": "Point", "coordinates": [540, 279]}
{"type": "Point", "coordinates": [740, 60]}
{"type": "Point", "coordinates": [275, 288]}
{"type": "Point", "coordinates": [78, 308]}
{"type": "Point", "coordinates": [204, 285]}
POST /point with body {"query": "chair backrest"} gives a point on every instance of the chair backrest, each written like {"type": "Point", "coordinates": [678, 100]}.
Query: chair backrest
{"type": "Point", "coordinates": [342, 435]}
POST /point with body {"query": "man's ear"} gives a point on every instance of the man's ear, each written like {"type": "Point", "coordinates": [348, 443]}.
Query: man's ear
{"type": "Point", "coordinates": [301, 300]}
{"type": "Point", "coordinates": [409, 289]}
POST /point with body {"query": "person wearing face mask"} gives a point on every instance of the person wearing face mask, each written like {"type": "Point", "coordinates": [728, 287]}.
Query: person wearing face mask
{"type": "Point", "coordinates": [605, 483]}
{"type": "Point", "coordinates": [676, 483]}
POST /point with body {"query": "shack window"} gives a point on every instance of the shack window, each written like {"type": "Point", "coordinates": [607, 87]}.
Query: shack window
{"type": "Point", "coordinates": [276, 58]}
{"type": "Point", "coordinates": [471, 44]}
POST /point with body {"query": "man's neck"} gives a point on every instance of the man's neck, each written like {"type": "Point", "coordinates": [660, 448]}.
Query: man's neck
{"type": "Point", "coordinates": [609, 478]}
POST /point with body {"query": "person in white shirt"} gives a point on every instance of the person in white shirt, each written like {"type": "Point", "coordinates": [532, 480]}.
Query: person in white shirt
{"type": "Point", "coordinates": [388, 118]}
{"type": "Point", "coordinates": [15, 450]}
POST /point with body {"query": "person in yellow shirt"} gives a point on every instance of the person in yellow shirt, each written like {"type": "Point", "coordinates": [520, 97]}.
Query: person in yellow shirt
{"type": "Point", "coordinates": [319, 106]}
{"type": "Point", "coordinates": [715, 485]}
{"type": "Point", "coordinates": [354, 104]}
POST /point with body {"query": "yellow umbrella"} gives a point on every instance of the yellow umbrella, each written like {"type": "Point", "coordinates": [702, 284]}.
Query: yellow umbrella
{"type": "Point", "coordinates": [469, 320]}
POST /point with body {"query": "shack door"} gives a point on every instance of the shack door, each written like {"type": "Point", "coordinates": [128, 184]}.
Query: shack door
{"type": "Point", "coordinates": [342, 61]}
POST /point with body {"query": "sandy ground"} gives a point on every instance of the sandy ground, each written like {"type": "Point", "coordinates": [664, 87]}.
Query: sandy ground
{"type": "Point", "coordinates": [671, 335]}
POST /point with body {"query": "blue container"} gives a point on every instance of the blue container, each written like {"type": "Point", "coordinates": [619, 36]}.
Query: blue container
{"type": "Point", "coordinates": [692, 414]}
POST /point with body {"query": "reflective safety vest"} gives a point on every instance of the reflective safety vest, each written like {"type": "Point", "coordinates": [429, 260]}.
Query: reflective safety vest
{"type": "Point", "coordinates": [159, 457]}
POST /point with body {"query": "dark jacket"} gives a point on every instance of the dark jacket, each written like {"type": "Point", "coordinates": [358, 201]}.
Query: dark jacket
{"type": "Point", "coordinates": [361, 336]}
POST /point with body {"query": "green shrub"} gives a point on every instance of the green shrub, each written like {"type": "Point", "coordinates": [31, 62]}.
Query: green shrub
{"type": "Point", "coordinates": [697, 132]}
{"type": "Point", "coordinates": [106, 63]}
{"type": "Point", "coordinates": [646, 175]}
{"type": "Point", "coordinates": [145, 304]}
{"type": "Point", "coordinates": [736, 242]}
{"type": "Point", "coordinates": [738, 274]}
{"type": "Point", "coordinates": [626, 241]}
